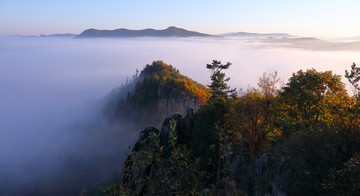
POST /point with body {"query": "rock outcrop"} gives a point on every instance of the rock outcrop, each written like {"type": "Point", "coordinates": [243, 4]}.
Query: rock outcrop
{"type": "Point", "coordinates": [176, 102]}
{"type": "Point", "coordinates": [262, 175]}
{"type": "Point", "coordinates": [258, 176]}
{"type": "Point", "coordinates": [149, 142]}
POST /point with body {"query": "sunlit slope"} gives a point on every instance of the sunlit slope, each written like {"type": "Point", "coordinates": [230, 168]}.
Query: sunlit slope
{"type": "Point", "coordinates": [158, 91]}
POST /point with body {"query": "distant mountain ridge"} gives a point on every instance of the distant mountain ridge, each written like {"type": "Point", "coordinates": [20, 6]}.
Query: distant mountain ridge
{"type": "Point", "coordinates": [118, 33]}
{"type": "Point", "coordinates": [174, 32]}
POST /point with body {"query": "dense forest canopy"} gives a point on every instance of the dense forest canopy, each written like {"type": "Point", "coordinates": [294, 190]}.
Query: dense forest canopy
{"type": "Point", "coordinates": [305, 135]}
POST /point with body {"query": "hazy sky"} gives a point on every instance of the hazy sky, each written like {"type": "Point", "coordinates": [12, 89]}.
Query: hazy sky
{"type": "Point", "coordinates": [328, 18]}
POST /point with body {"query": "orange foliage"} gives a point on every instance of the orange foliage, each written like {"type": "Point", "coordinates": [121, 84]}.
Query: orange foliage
{"type": "Point", "coordinates": [171, 76]}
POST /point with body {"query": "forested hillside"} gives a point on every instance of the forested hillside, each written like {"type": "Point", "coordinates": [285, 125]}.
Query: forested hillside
{"type": "Point", "coordinates": [157, 92]}
{"type": "Point", "coordinates": [302, 138]}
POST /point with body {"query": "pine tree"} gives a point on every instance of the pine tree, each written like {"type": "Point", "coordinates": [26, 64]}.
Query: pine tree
{"type": "Point", "coordinates": [219, 88]}
{"type": "Point", "coordinates": [354, 76]}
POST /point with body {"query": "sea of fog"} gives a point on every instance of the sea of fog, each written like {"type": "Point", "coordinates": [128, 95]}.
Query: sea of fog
{"type": "Point", "coordinates": [48, 86]}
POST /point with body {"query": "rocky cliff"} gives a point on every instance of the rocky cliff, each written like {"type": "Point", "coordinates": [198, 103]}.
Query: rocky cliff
{"type": "Point", "coordinates": [175, 102]}
{"type": "Point", "coordinates": [152, 145]}
{"type": "Point", "coordinates": [262, 175]}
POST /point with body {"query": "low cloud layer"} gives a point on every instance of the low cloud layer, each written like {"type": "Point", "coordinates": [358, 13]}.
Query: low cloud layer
{"type": "Point", "coordinates": [51, 87]}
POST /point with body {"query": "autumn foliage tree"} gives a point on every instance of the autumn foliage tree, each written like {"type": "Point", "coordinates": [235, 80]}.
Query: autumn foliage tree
{"type": "Point", "coordinates": [245, 119]}
{"type": "Point", "coordinates": [315, 117]}
{"type": "Point", "coordinates": [305, 93]}
{"type": "Point", "coordinates": [250, 115]}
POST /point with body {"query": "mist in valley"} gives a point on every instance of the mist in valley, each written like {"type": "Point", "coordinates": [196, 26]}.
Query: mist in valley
{"type": "Point", "coordinates": [52, 132]}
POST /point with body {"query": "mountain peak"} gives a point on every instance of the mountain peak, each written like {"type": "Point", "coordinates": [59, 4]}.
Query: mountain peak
{"type": "Point", "coordinates": [172, 27]}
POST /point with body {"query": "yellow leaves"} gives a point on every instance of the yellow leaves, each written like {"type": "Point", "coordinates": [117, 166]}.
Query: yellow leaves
{"type": "Point", "coordinates": [171, 76]}
{"type": "Point", "coordinates": [156, 77]}
{"type": "Point", "coordinates": [245, 119]}
{"type": "Point", "coordinates": [338, 109]}
{"type": "Point", "coordinates": [271, 135]}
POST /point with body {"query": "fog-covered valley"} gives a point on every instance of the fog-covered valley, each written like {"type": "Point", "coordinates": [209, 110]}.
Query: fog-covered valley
{"type": "Point", "coordinates": [52, 90]}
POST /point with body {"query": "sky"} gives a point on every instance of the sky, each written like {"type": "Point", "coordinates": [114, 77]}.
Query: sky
{"type": "Point", "coordinates": [322, 18]}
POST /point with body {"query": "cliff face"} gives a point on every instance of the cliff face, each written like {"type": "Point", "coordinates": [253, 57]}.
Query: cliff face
{"type": "Point", "coordinates": [263, 175]}
{"type": "Point", "coordinates": [152, 105]}
{"type": "Point", "coordinates": [152, 145]}
{"type": "Point", "coordinates": [175, 103]}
